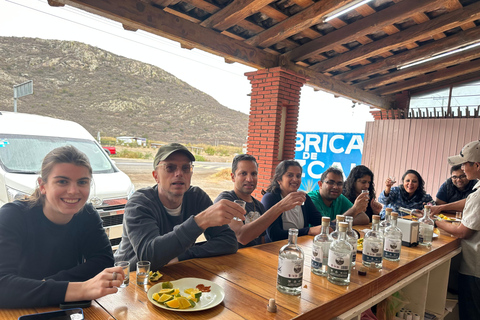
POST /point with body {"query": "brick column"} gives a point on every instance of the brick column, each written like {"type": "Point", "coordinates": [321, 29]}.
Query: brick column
{"type": "Point", "coordinates": [273, 120]}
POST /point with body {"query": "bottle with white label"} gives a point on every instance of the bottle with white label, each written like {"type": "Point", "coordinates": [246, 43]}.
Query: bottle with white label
{"type": "Point", "coordinates": [290, 266]}
{"type": "Point", "coordinates": [338, 219]}
{"type": "Point", "coordinates": [385, 223]}
{"type": "Point", "coordinates": [425, 234]}
{"type": "Point", "coordinates": [373, 245]}
{"type": "Point", "coordinates": [393, 240]}
{"type": "Point", "coordinates": [352, 238]}
{"type": "Point", "coordinates": [320, 248]}
{"type": "Point", "coordinates": [339, 258]}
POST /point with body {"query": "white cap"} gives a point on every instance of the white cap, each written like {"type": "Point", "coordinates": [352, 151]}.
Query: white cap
{"type": "Point", "coordinates": [469, 153]}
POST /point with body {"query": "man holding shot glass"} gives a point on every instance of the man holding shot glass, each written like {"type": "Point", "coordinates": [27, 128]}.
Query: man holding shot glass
{"type": "Point", "coordinates": [161, 223]}
{"type": "Point", "coordinates": [244, 175]}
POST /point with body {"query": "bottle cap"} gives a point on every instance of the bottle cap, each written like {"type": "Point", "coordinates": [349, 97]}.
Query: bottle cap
{"type": "Point", "coordinates": [394, 215]}
{"type": "Point", "coordinates": [326, 220]}
{"type": "Point", "coordinates": [343, 226]}
{"type": "Point", "coordinates": [376, 217]}
{"type": "Point", "coordinates": [388, 210]}
{"type": "Point", "coordinates": [271, 307]}
{"type": "Point", "coordinates": [340, 218]}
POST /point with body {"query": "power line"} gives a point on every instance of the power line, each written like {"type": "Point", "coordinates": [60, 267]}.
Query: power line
{"type": "Point", "coordinates": [104, 21]}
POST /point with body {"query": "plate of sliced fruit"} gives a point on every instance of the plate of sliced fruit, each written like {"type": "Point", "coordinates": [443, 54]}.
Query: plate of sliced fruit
{"type": "Point", "coordinates": [187, 294]}
{"type": "Point", "coordinates": [448, 219]}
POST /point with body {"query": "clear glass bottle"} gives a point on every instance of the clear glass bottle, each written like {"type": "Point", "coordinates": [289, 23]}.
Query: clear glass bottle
{"type": "Point", "coordinates": [425, 234]}
{"type": "Point", "coordinates": [385, 223]}
{"type": "Point", "coordinates": [339, 218]}
{"type": "Point", "coordinates": [290, 266]}
{"type": "Point", "coordinates": [339, 258]}
{"type": "Point", "coordinates": [320, 248]}
{"type": "Point", "coordinates": [373, 245]}
{"type": "Point", "coordinates": [392, 240]}
{"type": "Point", "coordinates": [352, 238]}
{"type": "Point", "coordinates": [406, 212]}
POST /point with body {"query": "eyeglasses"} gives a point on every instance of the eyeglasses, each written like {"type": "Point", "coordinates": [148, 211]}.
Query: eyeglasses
{"type": "Point", "coordinates": [172, 168]}
{"type": "Point", "coordinates": [463, 176]}
{"type": "Point", "coordinates": [332, 183]}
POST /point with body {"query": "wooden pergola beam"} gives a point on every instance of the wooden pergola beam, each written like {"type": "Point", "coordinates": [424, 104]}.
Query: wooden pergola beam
{"type": "Point", "coordinates": [233, 13]}
{"type": "Point", "coordinates": [460, 39]}
{"type": "Point", "coordinates": [472, 67]}
{"type": "Point", "coordinates": [306, 18]}
{"type": "Point", "coordinates": [426, 67]}
{"type": "Point", "coordinates": [338, 88]}
{"type": "Point", "coordinates": [415, 33]}
{"type": "Point", "coordinates": [154, 20]}
{"type": "Point", "coordinates": [361, 28]}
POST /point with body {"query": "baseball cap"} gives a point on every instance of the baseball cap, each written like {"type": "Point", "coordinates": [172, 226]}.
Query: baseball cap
{"type": "Point", "coordinates": [166, 150]}
{"type": "Point", "coordinates": [469, 153]}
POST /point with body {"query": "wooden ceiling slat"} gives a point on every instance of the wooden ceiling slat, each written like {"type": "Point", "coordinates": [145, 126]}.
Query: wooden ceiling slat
{"type": "Point", "coordinates": [182, 15]}
{"type": "Point", "coordinates": [460, 39]}
{"type": "Point", "coordinates": [446, 83]}
{"type": "Point", "coordinates": [420, 69]}
{"type": "Point", "coordinates": [412, 34]}
{"type": "Point", "coordinates": [204, 5]}
{"type": "Point", "coordinates": [306, 18]}
{"type": "Point", "coordinates": [460, 70]}
{"type": "Point", "coordinates": [159, 22]}
{"type": "Point", "coordinates": [361, 27]}
{"type": "Point", "coordinates": [233, 13]}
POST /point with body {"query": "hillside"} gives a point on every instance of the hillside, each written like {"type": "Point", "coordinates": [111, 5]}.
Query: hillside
{"type": "Point", "coordinates": [112, 94]}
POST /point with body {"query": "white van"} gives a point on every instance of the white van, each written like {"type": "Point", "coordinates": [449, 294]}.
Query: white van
{"type": "Point", "coordinates": [25, 139]}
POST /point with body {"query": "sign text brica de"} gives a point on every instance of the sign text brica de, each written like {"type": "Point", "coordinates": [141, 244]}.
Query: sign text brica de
{"type": "Point", "coordinates": [317, 151]}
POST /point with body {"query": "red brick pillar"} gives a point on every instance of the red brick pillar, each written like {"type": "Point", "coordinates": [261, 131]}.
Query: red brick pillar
{"type": "Point", "coordinates": [273, 120]}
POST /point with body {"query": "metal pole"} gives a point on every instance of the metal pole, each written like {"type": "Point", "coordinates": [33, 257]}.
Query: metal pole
{"type": "Point", "coordinates": [14, 104]}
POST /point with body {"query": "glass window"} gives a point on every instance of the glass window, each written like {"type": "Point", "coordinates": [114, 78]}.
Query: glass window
{"type": "Point", "coordinates": [24, 154]}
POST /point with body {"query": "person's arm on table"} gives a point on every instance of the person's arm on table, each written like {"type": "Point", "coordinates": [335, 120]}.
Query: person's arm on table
{"type": "Point", "coordinates": [449, 207]}
{"type": "Point", "coordinates": [459, 231]}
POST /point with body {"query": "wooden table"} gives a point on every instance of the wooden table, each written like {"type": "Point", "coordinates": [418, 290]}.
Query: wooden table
{"type": "Point", "coordinates": [249, 280]}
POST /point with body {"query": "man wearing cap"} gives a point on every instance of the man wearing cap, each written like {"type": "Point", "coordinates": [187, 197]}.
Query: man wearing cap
{"type": "Point", "coordinates": [468, 231]}
{"type": "Point", "coordinates": [244, 175]}
{"type": "Point", "coordinates": [161, 223]}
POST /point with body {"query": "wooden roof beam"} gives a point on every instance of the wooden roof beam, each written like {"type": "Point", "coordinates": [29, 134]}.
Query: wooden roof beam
{"type": "Point", "coordinates": [460, 39]}
{"type": "Point", "coordinates": [338, 88]}
{"type": "Point", "coordinates": [146, 17]}
{"type": "Point", "coordinates": [443, 23]}
{"type": "Point", "coordinates": [233, 13]}
{"type": "Point", "coordinates": [445, 74]}
{"type": "Point", "coordinates": [361, 28]}
{"type": "Point", "coordinates": [429, 66]}
{"type": "Point", "coordinates": [446, 83]}
{"type": "Point", "coordinates": [306, 18]}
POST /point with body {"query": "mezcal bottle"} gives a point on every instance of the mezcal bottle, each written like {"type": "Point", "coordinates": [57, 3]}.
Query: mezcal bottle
{"type": "Point", "coordinates": [393, 240]}
{"type": "Point", "coordinates": [290, 266]}
{"type": "Point", "coordinates": [385, 223]}
{"type": "Point", "coordinates": [339, 258]}
{"type": "Point", "coordinates": [425, 234]}
{"type": "Point", "coordinates": [320, 248]}
{"type": "Point", "coordinates": [334, 234]}
{"type": "Point", "coordinates": [373, 246]}
{"type": "Point", "coordinates": [352, 238]}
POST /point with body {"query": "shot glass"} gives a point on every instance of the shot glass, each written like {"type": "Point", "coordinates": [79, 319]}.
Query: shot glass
{"type": "Point", "coordinates": [241, 203]}
{"type": "Point", "coordinates": [143, 269]}
{"type": "Point", "coordinates": [394, 180]}
{"type": "Point", "coordinates": [458, 216]}
{"type": "Point", "coordinates": [126, 272]}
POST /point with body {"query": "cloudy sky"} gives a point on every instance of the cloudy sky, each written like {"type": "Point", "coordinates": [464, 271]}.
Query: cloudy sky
{"type": "Point", "coordinates": [319, 111]}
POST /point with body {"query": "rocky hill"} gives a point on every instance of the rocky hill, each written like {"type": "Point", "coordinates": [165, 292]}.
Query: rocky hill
{"type": "Point", "coordinates": [112, 94]}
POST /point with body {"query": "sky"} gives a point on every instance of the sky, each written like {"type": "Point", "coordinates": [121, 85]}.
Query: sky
{"type": "Point", "coordinates": [319, 111]}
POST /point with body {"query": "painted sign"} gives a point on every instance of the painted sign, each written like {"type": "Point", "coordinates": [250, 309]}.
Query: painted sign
{"type": "Point", "coordinates": [317, 151]}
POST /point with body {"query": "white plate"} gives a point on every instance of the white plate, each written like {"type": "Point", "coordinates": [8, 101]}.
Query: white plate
{"type": "Point", "coordinates": [207, 300]}
{"type": "Point", "coordinates": [435, 235]}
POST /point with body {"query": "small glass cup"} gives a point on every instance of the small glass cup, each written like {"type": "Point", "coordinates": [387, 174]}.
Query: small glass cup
{"type": "Point", "coordinates": [126, 272]}
{"type": "Point", "coordinates": [394, 180]}
{"type": "Point", "coordinates": [241, 203]}
{"type": "Point", "coordinates": [458, 216]}
{"type": "Point", "coordinates": [143, 269]}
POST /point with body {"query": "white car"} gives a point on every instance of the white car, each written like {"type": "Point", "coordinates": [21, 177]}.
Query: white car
{"type": "Point", "coordinates": [25, 139]}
